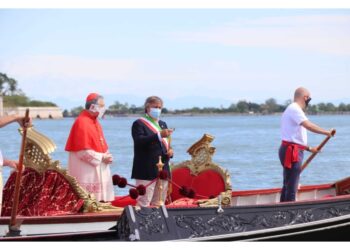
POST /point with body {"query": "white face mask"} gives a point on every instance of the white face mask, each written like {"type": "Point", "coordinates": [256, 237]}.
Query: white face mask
{"type": "Point", "coordinates": [97, 109]}
{"type": "Point", "coordinates": [155, 113]}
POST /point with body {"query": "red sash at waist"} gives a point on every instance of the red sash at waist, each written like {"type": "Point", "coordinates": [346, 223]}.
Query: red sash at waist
{"type": "Point", "coordinates": [292, 153]}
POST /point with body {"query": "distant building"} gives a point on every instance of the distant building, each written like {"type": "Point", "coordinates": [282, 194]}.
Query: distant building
{"type": "Point", "coordinates": [36, 112]}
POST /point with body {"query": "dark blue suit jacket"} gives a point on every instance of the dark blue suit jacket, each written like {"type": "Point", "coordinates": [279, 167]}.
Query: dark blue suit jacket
{"type": "Point", "coordinates": [147, 149]}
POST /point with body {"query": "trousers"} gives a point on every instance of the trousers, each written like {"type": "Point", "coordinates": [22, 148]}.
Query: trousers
{"type": "Point", "coordinates": [290, 175]}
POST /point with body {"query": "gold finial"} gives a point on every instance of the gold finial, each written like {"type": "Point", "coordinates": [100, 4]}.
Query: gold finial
{"type": "Point", "coordinates": [160, 164]}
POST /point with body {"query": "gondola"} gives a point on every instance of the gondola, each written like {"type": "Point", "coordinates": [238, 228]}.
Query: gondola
{"type": "Point", "coordinates": [197, 210]}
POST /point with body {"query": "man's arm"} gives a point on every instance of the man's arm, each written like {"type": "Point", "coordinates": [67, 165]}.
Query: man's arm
{"type": "Point", "coordinates": [10, 163]}
{"type": "Point", "coordinates": [139, 136]}
{"type": "Point", "coordinates": [167, 132]}
{"type": "Point", "coordinates": [14, 118]}
{"type": "Point", "coordinates": [7, 120]}
{"type": "Point", "coordinates": [90, 157]}
{"type": "Point", "coordinates": [315, 128]}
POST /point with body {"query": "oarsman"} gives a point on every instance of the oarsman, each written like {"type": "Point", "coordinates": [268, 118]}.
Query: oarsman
{"type": "Point", "coordinates": [89, 158]}
{"type": "Point", "coordinates": [294, 126]}
{"type": "Point", "coordinates": [151, 140]}
{"type": "Point", "coordinates": [4, 162]}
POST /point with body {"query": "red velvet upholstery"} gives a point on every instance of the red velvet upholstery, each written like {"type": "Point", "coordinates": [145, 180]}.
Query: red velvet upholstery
{"type": "Point", "coordinates": [42, 195]}
{"type": "Point", "coordinates": [206, 184]}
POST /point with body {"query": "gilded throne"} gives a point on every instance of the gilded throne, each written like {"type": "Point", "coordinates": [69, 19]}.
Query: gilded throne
{"type": "Point", "coordinates": [200, 178]}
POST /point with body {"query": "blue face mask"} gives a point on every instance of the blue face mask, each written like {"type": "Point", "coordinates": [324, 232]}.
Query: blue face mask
{"type": "Point", "coordinates": [155, 113]}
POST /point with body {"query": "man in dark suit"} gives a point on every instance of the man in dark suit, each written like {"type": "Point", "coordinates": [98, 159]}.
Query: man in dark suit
{"type": "Point", "coordinates": [151, 139]}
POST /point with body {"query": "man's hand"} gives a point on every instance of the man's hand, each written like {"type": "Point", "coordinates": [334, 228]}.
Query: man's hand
{"type": "Point", "coordinates": [331, 132]}
{"type": "Point", "coordinates": [314, 150]}
{"type": "Point", "coordinates": [166, 133]}
{"type": "Point", "coordinates": [12, 164]}
{"type": "Point", "coordinates": [23, 122]}
{"type": "Point", "coordinates": [107, 158]}
{"type": "Point", "coordinates": [170, 152]}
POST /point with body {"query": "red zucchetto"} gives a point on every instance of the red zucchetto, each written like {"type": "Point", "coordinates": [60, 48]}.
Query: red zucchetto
{"type": "Point", "coordinates": [91, 97]}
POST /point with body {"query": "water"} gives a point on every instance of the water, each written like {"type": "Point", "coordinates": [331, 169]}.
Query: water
{"type": "Point", "coordinates": [245, 145]}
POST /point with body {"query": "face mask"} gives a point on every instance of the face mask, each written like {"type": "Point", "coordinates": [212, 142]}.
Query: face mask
{"type": "Point", "coordinates": [101, 112]}
{"type": "Point", "coordinates": [307, 101]}
{"type": "Point", "coordinates": [98, 109]}
{"type": "Point", "coordinates": [155, 113]}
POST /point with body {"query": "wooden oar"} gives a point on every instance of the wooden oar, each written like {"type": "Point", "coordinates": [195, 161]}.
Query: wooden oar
{"type": "Point", "coordinates": [319, 147]}
{"type": "Point", "coordinates": [14, 226]}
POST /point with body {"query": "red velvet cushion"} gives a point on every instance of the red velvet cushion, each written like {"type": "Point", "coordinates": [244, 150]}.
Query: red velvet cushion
{"type": "Point", "coordinates": [41, 195]}
{"type": "Point", "coordinates": [205, 184]}
{"type": "Point", "coordinates": [122, 201]}
{"type": "Point", "coordinates": [183, 202]}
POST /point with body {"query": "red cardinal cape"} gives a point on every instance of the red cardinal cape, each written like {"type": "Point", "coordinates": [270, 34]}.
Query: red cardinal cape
{"type": "Point", "coordinates": [86, 133]}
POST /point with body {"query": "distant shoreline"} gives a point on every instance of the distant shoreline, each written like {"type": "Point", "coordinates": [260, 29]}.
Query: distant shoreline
{"type": "Point", "coordinates": [218, 114]}
{"type": "Point", "coordinates": [225, 114]}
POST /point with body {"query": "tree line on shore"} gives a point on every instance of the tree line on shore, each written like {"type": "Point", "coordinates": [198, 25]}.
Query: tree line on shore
{"type": "Point", "coordinates": [270, 106]}
{"type": "Point", "coordinates": [15, 97]}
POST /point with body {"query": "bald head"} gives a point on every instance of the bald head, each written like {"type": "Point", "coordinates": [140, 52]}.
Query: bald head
{"type": "Point", "coordinates": [302, 96]}
{"type": "Point", "coordinates": [300, 93]}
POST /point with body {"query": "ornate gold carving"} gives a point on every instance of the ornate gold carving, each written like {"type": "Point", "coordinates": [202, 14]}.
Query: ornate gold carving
{"type": "Point", "coordinates": [225, 200]}
{"type": "Point", "coordinates": [202, 153]}
{"type": "Point", "coordinates": [37, 156]}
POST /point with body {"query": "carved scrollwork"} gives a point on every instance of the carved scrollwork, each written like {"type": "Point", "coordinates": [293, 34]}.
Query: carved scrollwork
{"type": "Point", "coordinates": [196, 225]}
{"type": "Point", "coordinates": [201, 153]}
{"type": "Point", "coordinates": [151, 221]}
{"type": "Point", "coordinates": [243, 221]}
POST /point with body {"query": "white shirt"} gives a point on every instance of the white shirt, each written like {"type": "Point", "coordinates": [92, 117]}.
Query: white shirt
{"type": "Point", "coordinates": [291, 128]}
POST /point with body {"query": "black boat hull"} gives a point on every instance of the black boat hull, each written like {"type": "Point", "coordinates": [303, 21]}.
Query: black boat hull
{"type": "Point", "coordinates": [322, 220]}
{"type": "Point", "coordinates": [336, 229]}
{"type": "Point", "coordinates": [315, 220]}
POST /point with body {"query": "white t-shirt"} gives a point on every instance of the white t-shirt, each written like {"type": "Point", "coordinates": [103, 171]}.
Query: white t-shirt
{"type": "Point", "coordinates": [291, 128]}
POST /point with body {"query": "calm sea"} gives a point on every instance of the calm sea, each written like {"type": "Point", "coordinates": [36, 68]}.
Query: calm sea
{"type": "Point", "coordinates": [245, 145]}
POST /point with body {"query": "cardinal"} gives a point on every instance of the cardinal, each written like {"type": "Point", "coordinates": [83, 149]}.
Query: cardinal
{"type": "Point", "coordinates": [89, 159]}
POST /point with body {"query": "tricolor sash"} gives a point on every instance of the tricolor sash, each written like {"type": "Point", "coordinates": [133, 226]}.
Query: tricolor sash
{"type": "Point", "coordinates": [154, 127]}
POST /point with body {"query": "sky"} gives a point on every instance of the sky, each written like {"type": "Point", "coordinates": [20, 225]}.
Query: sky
{"type": "Point", "coordinates": [190, 57]}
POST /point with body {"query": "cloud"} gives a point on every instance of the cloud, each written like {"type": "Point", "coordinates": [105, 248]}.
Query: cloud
{"type": "Point", "coordinates": [66, 80]}
{"type": "Point", "coordinates": [318, 33]}
{"type": "Point", "coordinates": [71, 76]}
{"type": "Point", "coordinates": [59, 66]}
